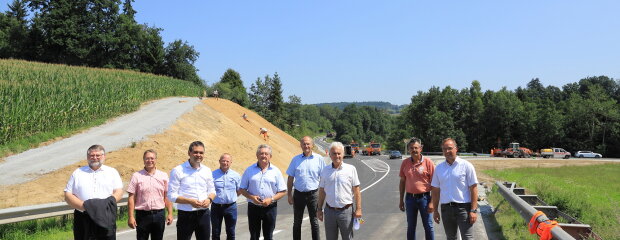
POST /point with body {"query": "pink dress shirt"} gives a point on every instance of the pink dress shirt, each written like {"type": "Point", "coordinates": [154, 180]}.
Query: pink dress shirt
{"type": "Point", "coordinates": [149, 190]}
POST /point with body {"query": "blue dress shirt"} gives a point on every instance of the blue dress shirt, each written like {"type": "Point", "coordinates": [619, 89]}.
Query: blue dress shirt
{"type": "Point", "coordinates": [226, 186]}
{"type": "Point", "coordinates": [263, 184]}
{"type": "Point", "coordinates": [306, 171]}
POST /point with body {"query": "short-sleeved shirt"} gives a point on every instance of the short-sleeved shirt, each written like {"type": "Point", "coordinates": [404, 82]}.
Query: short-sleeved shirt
{"type": "Point", "coordinates": [338, 184]}
{"type": "Point", "coordinates": [263, 184]}
{"type": "Point", "coordinates": [418, 175]}
{"type": "Point", "coordinates": [85, 183]}
{"type": "Point", "coordinates": [226, 186]}
{"type": "Point", "coordinates": [454, 181]}
{"type": "Point", "coordinates": [306, 171]}
{"type": "Point", "coordinates": [149, 190]}
{"type": "Point", "coordinates": [189, 182]}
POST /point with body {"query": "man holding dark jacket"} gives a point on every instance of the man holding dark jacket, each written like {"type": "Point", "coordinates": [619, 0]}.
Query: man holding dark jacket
{"type": "Point", "coordinates": [93, 192]}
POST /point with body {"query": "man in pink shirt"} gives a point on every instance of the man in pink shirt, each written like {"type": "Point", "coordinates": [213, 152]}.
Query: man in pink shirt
{"type": "Point", "coordinates": [148, 196]}
{"type": "Point", "coordinates": [416, 174]}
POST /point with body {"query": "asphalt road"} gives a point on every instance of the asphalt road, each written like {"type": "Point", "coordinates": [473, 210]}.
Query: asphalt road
{"type": "Point", "coordinates": [379, 182]}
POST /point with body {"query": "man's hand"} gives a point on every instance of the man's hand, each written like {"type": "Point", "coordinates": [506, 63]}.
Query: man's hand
{"type": "Point", "coordinates": [401, 205]}
{"type": "Point", "coordinates": [319, 214]}
{"type": "Point", "coordinates": [290, 199]}
{"type": "Point", "coordinates": [131, 222]}
{"type": "Point", "coordinates": [267, 202]}
{"type": "Point", "coordinates": [169, 219]}
{"type": "Point", "coordinates": [256, 200]}
{"type": "Point", "coordinates": [430, 208]}
{"type": "Point", "coordinates": [205, 203]}
{"type": "Point", "coordinates": [436, 217]}
{"type": "Point", "coordinates": [357, 213]}
{"type": "Point", "coordinates": [196, 204]}
{"type": "Point", "coordinates": [472, 217]}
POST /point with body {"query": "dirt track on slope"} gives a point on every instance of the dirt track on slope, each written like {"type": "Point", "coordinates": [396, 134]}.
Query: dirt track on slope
{"type": "Point", "coordinates": [217, 123]}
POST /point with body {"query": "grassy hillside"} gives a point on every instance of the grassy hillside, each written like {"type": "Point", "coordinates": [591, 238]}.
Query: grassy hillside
{"type": "Point", "coordinates": [43, 101]}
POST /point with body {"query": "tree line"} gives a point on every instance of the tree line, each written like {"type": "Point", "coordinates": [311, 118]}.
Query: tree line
{"type": "Point", "coordinates": [584, 115]}
{"type": "Point", "coordinates": [580, 116]}
{"type": "Point", "coordinates": [93, 33]}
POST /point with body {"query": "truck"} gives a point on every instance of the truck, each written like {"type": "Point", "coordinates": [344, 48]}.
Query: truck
{"type": "Point", "coordinates": [355, 146]}
{"type": "Point", "coordinates": [554, 153]}
{"type": "Point", "coordinates": [348, 151]}
{"type": "Point", "coordinates": [373, 149]}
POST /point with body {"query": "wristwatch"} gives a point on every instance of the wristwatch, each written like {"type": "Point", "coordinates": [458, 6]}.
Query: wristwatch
{"type": "Point", "coordinates": [474, 210]}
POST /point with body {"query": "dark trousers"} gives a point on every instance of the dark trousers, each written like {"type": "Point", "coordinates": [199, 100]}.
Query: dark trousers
{"type": "Point", "coordinates": [264, 217]}
{"type": "Point", "coordinates": [85, 228]}
{"type": "Point", "coordinates": [190, 221]}
{"type": "Point", "coordinates": [227, 212]}
{"type": "Point", "coordinates": [413, 205]}
{"type": "Point", "coordinates": [150, 223]}
{"type": "Point", "coordinates": [301, 201]}
{"type": "Point", "coordinates": [457, 216]}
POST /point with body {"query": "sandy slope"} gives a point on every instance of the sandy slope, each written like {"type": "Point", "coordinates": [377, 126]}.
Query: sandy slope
{"type": "Point", "coordinates": [218, 123]}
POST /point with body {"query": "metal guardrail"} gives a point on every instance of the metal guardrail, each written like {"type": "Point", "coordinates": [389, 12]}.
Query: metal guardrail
{"type": "Point", "coordinates": [20, 214]}
{"type": "Point", "coordinates": [521, 203]}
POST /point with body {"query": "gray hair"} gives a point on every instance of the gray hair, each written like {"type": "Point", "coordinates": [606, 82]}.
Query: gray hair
{"type": "Point", "coordinates": [263, 146]}
{"type": "Point", "coordinates": [449, 139]}
{"type": "Point", "coordinates": [337, 145]}
{"type": "Point", "coordinates": [414, 140]}
{"type": "Point", "coordinates": [97, 148]}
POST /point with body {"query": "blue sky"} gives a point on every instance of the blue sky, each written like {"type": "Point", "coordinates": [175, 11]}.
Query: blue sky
{"type": "Point", "coordinates": [330, 51]}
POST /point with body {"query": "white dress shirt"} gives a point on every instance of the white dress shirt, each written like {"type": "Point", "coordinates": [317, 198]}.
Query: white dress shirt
{"type": "Point", "coordinates": [338, 184]}
{"type": "Point", "coordinates": [454, 181]}
{"type": "Point", "coordinates": [85, 183]}
{"type": "Point", "coordinates": [188, 182]}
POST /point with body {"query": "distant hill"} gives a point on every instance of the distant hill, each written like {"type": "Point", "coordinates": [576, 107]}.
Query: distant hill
{"type": "Point", "coordinates": [390, 108]}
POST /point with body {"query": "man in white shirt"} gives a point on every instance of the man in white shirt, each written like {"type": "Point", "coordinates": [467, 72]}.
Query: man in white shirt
{"type": "Point", "coordinates": [338, 187]}
{"type": "Point", "coordinates": [191, 187]}
{"type": "Point", "coordinates": [455, 185]}
{"type": "Point", "coordinates": [95, 181]}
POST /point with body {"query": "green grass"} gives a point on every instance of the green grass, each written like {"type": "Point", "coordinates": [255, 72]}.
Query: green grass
{"type": "Point", "coordinates": [44, 101]}
{"type": "Point", "coordinates": [54, 228]}
{"type": "Point", "coordinates": [589, 193]}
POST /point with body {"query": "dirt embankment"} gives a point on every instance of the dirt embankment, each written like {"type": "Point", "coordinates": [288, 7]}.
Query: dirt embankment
{"type": "Point", "coordinates": [217, 123]}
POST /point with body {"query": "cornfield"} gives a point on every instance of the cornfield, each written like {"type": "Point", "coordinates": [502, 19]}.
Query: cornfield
{"type": "Point", "coordinates": [38, 98]}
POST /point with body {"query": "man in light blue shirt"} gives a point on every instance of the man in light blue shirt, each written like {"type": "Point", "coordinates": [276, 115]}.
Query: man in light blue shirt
{"type": "Point", "coordinates": [224, 206]}
{"type": "Point", "coordinates": [262, 184]}
{"type": "Point", "coordinates": [303, 173]}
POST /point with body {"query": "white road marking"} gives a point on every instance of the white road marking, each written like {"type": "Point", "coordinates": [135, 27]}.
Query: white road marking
{"type": "Point", "coordinates": [376, 165]}
{"type": "Point", "coordinates": [274, 233]}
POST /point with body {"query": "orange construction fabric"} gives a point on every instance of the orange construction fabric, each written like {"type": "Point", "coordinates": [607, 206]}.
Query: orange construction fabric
{"type": "Point", "coordinates": [533, 223]}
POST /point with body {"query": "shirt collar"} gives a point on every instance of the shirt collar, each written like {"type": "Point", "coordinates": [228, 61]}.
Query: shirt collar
{"type": "Point", "coordinates": [188, 165]}
{"type": "Point", "coordinates": [268, 166]}
{"type": "Point", "coordinates": [421, 159]}
{"type": "Point", "coordinates": [339, 167]}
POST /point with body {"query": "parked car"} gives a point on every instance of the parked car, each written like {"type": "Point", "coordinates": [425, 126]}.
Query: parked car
{"type": "Point", "coordinates": [582, 154]}
{"type": "Point", "coordinates": [395, 154]}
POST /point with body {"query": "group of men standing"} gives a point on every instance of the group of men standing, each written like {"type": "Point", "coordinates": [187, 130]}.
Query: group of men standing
{"type": "Point", "coordinates": [205, 199]}
{"type": "Point", "coordinates": [423, 187]}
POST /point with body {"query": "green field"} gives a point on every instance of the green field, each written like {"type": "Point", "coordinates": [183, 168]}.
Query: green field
{"type": "Point", "coordinates": [589, 193]}
{"type": "Point", "coordinates": [42, 101]}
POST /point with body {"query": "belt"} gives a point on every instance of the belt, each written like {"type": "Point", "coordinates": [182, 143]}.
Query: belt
{"type": "Point", "coordinates": [339, 209]}
{"type": "Point", "coordinates": [149, 211]}
{"type": "Point", "coordinates": [308, 192]}
{"type": "Point", "coordinates": [273, 204]}
{"type": "Point", "coordinates": [418, 195]}
{"type": "Point", "coordinates": [223, 205]}
{"type": "Point", "coordinates": [455, 204]}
